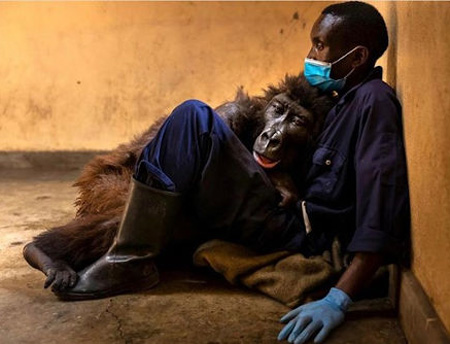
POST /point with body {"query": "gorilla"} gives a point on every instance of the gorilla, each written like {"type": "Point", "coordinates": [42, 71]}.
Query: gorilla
{"type": "Point", "coordinates": [279, 128]}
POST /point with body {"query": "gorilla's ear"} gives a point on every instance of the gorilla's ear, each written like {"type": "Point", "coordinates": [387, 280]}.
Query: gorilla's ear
{"type": "Point", "coordinates": [241, 95]}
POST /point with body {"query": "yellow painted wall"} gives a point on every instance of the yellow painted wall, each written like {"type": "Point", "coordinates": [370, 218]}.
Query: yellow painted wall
{"type": "Point", "coordinates": [78, 76]}
{"type": "Point", "coordinates": [419, 66]}
{"type": "Point", "coordinates": [90, 75]}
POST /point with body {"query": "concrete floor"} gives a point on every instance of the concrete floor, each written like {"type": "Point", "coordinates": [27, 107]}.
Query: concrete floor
{"type": "Point", "coordinates": [189, 306]}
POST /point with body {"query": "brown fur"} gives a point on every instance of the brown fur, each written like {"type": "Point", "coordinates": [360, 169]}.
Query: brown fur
{"type": "Point", "coordinates": [104, 182]}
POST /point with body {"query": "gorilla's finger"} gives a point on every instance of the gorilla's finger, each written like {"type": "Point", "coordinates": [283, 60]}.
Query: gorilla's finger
{"type": "Point", "coordinates": [73, 279]}
{"type": "Point", "coordinates": [50, 278]}
{"type": "Point", "coordinates": [65, 280]}
{"type": "Point", "coordinates": [284, 202]}
{"type": "Point", "coordinates": [57, 283]}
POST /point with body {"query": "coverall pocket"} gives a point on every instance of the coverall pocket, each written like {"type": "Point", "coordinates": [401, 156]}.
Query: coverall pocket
{"type": "Point", "coordinates": [327, 167]}
{"type": "Point", "coordinates": [149, 174]}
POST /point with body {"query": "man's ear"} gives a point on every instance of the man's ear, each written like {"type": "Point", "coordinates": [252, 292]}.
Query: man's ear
{"type": "Point", "coordinates": [360, 57]}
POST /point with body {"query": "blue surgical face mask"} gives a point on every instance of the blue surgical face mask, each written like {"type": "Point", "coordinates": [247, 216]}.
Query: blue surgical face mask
{"type": "Point", "coordinates": [318, 74]}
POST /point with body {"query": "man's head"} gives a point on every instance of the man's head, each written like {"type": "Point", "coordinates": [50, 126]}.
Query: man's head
{"type": "Point", "coordinates": [344, 27]}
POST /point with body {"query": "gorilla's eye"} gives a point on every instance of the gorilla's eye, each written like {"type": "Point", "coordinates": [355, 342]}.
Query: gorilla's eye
{"type": "Point", "coordinates": [300, 120]}
{"type": "Point", "coordinates": [278, 108]}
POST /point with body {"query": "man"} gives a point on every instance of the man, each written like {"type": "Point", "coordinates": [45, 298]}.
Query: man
{"type": "Point", "coordinates": [358, 179]}
{"type": "Point", "coordinates": [356, 187]}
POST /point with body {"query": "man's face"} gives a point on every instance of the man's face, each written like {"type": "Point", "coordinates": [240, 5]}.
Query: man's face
{"type": "Point", "coordinates": [327, 44]}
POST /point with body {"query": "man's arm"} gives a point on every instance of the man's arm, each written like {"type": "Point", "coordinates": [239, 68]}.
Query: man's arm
{"type": "Point", "coordinates": [322, 316]}
{"type": "Point", "coordinates": [359, 273]}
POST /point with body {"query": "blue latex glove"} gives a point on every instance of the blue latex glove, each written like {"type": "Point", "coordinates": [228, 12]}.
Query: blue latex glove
{"type": "Point", "coordinates": [319, 316]}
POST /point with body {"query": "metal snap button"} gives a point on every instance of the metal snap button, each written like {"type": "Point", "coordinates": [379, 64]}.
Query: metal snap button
{"type": "Point", "coordinates": [328, 162]}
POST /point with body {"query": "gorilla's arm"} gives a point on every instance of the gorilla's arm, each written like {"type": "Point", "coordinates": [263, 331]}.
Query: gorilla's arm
{"type": "Point", "coordinates": [285, 185]}
{"type": "Point", "coordinates": [59, 274]}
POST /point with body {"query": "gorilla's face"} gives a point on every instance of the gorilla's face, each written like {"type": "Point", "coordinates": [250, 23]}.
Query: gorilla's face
{"type": "Point", "coordinates": [288, 127]}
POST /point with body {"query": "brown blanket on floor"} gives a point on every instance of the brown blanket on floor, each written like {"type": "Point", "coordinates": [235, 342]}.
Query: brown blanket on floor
{"type": "Point", "coordinates": [285, 276]}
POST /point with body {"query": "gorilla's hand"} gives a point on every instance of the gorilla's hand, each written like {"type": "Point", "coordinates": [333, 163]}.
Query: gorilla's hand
{"type": "Point", "coordinates": [285, 185]}
{"type": "Point", "coordinates": [59, 275]}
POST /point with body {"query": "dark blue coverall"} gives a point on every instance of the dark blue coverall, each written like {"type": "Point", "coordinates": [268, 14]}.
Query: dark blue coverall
{"type": "Point", "coordinates": [356, 188]}
{"type": "Point", "coordinates": [195, 153]}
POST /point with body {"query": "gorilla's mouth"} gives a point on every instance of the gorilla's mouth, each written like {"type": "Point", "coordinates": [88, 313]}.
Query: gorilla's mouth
{"type": "Point", "coordinates": [265, 162]}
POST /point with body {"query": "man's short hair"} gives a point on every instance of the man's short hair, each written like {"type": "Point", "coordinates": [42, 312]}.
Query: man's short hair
{"type": "Point", "coordinates": [361, 24]}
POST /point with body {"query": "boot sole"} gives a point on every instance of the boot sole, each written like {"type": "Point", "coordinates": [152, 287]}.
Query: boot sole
{"type": "Point", "coordinates": [128, 289]}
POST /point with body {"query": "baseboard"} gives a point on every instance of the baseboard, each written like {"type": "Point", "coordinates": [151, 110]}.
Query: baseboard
{"type": "Point", "coordinates": [418, 319]}
{"type": "Point", "coordinates": [60, 160]}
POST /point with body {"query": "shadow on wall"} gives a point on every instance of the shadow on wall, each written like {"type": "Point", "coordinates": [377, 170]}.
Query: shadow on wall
{"type": "Point", "coordinates": [391, 66]}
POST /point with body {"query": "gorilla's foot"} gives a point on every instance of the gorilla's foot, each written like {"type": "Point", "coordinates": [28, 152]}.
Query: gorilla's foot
{"type": "Point", "coordinates": [106, 278]}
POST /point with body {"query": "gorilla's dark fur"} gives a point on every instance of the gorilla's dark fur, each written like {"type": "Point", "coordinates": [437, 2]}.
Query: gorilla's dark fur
{"type": "Point", "coordinates": [104, 182]}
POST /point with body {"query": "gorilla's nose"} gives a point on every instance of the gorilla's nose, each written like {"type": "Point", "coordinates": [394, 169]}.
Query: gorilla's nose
{"type": "Point", "coordinates": [272, 138]}
{"type": "Point", "coordinates": [269, 143]}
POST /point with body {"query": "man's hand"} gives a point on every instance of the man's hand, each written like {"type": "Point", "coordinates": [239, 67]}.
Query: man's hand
{"type": "Point", "coordinates": [320, 316]}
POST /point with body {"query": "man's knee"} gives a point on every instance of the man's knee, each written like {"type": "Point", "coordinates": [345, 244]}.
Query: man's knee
{"type": "Point", "coordinates": [191, 109]}
{"type": "Point", "coordinates": [192, 104]}
{"type": "Point", "coordinates": [187, 121]}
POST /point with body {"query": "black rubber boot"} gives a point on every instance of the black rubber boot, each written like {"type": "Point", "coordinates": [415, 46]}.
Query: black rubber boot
{"type": "Point", "coordinates": [128, 266]}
